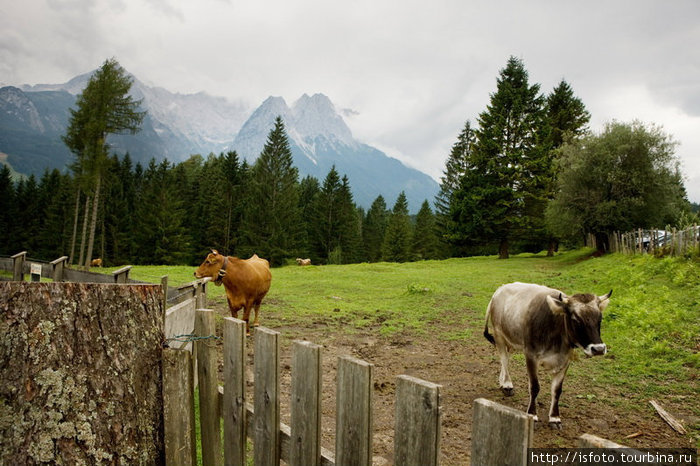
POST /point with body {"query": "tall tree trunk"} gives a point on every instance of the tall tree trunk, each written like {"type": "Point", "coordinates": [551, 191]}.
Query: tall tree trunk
{"type": "Point", "coordinates": [602, 242]}
{"type": "Point", "coordinates": [503, 249]}
{"type": "Point", "coordinates": [553, 247]}
{"type": "Point", "coordinates": [83, 236]}
{"type": "Point", "coordinates": [75, 227]}
{"type": "Point", "coordinates": [93, 222]}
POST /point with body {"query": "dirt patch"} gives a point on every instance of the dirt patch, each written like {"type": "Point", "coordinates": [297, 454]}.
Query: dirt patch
{"type": "Point", "coordinates": [466, 370]}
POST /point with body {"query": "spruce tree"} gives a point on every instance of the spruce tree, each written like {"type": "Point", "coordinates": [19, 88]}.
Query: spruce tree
{"type": "Point", "coordinates": [374, 228]}
{"type": "Point", "coordinates": [458, 164]}
{"type": "Point", "coordinates": [8, 212]}
{"type": "Point", "coordinates": [309, 190]}
{"type": "Point", "coordinates": [350, 225]}
{"type": "Point", "coordinates": [566, 115]}
{"type": "Point", "coordinates": [496, 195]}
{"type": "Point", "coordinates": [327, 216]}
{"type": "Point", "coordinates": [161, 235]}
{"type": "Point", "coordinates": [271, 220]}
{"type": "Point", "coordinates": [397, 239]}
{"type": "Point", "coordinates": [425, 240]}
{"type": "Point", "coordinates": [566, 120]}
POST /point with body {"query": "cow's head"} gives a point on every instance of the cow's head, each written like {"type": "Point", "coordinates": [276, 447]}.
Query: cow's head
{"type": "Point", "coordinates": [211, 266]}
{"type": "Point", "coordinates": [583, 314]}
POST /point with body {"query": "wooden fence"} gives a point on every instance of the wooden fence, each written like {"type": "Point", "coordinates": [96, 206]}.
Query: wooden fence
{"type": "Point", "coordinates": [417, 420]}
{"type": "Point", "coordinates": [666, 242]}
{"type": "Point", "coordinates": [58, 270]}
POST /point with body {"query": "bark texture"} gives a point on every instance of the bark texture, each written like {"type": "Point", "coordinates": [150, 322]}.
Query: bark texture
{"type": "Point", "coordinates": [80, 373]}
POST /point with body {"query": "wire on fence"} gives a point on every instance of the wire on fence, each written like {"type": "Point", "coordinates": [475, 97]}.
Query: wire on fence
{"type": "Point", "coordinates": [187, 338]}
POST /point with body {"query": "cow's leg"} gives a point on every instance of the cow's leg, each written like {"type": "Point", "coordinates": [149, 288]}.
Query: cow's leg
{"type": "Point", "coordinates": [531, 363]}
{"type": "Point", "coordinates": [234, 311]}
{"type": "Point", "coordinates": [246, 316]}
{"type": "Point", "coordinates": [504, 378]}
{"type": "Point", "coordinates": [256, 308]}
{"type": "Point", "coordinates": [557, 383]}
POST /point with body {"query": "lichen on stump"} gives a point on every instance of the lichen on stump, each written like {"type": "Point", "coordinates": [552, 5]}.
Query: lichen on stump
{"type": "Point", "coordinates": [80, 373]}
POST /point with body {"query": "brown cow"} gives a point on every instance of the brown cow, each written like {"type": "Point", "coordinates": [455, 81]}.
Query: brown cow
{"type": "Point", "coordinates": [96, 262]}
{"type": "Point", "coordinates": [247, 281]}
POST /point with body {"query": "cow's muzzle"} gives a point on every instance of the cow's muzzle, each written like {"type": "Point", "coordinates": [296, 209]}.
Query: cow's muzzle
{"type": "Point", "coordinates": [597, 349]}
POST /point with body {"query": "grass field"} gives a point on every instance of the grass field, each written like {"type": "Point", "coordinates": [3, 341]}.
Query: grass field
{"type": "Point", "coordinates": [652, 325]}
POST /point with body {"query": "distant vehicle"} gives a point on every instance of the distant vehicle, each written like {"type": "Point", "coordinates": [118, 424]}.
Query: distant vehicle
{"type": "Point", "coordinates": [663, 238]}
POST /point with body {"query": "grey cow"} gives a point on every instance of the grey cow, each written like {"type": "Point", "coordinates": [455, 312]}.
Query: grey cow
{"type": "Point", "coordinates": [546, 325]}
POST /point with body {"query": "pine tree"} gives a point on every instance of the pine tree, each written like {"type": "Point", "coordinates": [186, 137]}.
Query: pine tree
{"type": "Point", "coordinates": [566, 115]}
{"type": "Point", "coordinates": [425, 240]}
{"type": "Point", "coordinates": [161, 235]}
{"type": "Point", "coordinates": [309, 191]}
{"type": "Point", "coordinates": [271, 221]}
{"type": "Point", "coordinates": [349, 224]}
{"type": "Point", "coordinates": [495, 197]}
{"type": "Point", "coordinates": [398, 236]}
{"type": "Point", "coordinates": [8, 212]}
{"type": "Point", "coordinates": [104, 107]}
{"type": "Point", "coordinates": [566, 120]}
{"type": "Point", "coordinates": [327, 216]}
{"type": "Point", "coordinates": [458, 164]}
{"type": "Point", "coordinates": [374, 228]}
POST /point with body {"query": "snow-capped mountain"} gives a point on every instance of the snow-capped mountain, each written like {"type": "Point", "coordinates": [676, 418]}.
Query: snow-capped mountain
{"type": "Point", "coordinates": [320, 139]}
{"type": "Point", "coordinates": [33, 119]}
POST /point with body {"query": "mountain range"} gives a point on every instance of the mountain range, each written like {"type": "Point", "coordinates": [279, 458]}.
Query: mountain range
{"type": "Point", "coordinates": [33, 119]}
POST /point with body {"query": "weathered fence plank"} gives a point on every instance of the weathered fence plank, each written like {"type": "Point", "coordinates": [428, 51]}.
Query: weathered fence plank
{"type": "Point", "coordinates": [234, 399]}
{"type": "Point", "coordinates": [266, 435]}
{"type": "Point", "coordinates": [207, 375]}
{"type": "Point", "coordinates": [57, 267]}
{"type": "Point", "coordinates": [500, 435]}
{"type": "Point", "coordinates": [353, 432]}
{"type": "Point", "coordinates": [417, 422]}
{"type": "Point", "coordinates": [305, 448]}
{"type": "Point", "coordinates": [179, 320]}
{"type": "Point", "coordinates": [178, 408]}
{"type": "Point", "coordinates": [18, 266]}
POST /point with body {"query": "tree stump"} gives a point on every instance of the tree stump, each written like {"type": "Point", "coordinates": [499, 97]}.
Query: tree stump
{"type": "Point", "coordinates": [80, 373]}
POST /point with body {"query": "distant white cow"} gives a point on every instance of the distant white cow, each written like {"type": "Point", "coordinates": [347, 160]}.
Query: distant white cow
{"type": "Point", "coordinates": [546, 325]}
{"type": "Point", "coordinates": [301, 261]}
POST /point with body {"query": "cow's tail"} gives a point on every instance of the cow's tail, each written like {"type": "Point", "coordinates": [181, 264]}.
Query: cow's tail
{"type": "Point", "coordinates": [487, 335]}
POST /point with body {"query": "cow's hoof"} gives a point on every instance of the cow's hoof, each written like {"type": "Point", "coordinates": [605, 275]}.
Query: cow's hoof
{"type": "Point", "coordinates": [255, 325]}
{"type": "Point", "coordinates": [507, 391]}
{"type": "Point", "coordinates": [556, 424]}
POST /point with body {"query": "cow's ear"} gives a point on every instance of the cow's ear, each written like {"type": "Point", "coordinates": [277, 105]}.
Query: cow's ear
{"type": "Point", "coordinates": [215, 252]}
{"type": "Point", "coordinates": [557, 305]}
{"type": "Point", "coordinates": [604, 300]}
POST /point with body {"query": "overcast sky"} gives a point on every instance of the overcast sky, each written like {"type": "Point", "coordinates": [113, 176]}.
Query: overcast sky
{"type": "Point", "coordinates": [413, 71]}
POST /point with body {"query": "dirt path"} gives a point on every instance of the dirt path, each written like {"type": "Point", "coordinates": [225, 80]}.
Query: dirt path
{"type": "Point", "coordinates": [465, 371]}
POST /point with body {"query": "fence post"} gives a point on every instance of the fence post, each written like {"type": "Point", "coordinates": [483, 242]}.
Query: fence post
{"type": "Point", "coordinates": [234, 409]}
{"type": "Point", "coordinates": [18, 266]}
{"type": "Point", "coordinates": [178, 408]}
{"type": "Point", "coordinates": [57, 268]}
{"type": "Point", "coordinates": [353, 424]}
{"type": "Point", "coordinates": [305, 444]}
{"type": "Point", "coordinates": [122, 275]}
{"type": "Point", "coordinates": [417, 422]}
{"type": "Point", "coordinates": [204, 326]}
{"type": "Point", "coordinates": [500, 435]}
{"type": "Point", "coordinates": [266, 435]}
{"type": "Point", "coordinates": [200, 295]}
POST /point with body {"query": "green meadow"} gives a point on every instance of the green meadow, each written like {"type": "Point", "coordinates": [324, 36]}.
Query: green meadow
{"type": "Point", "coordinates": [651, 327]}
